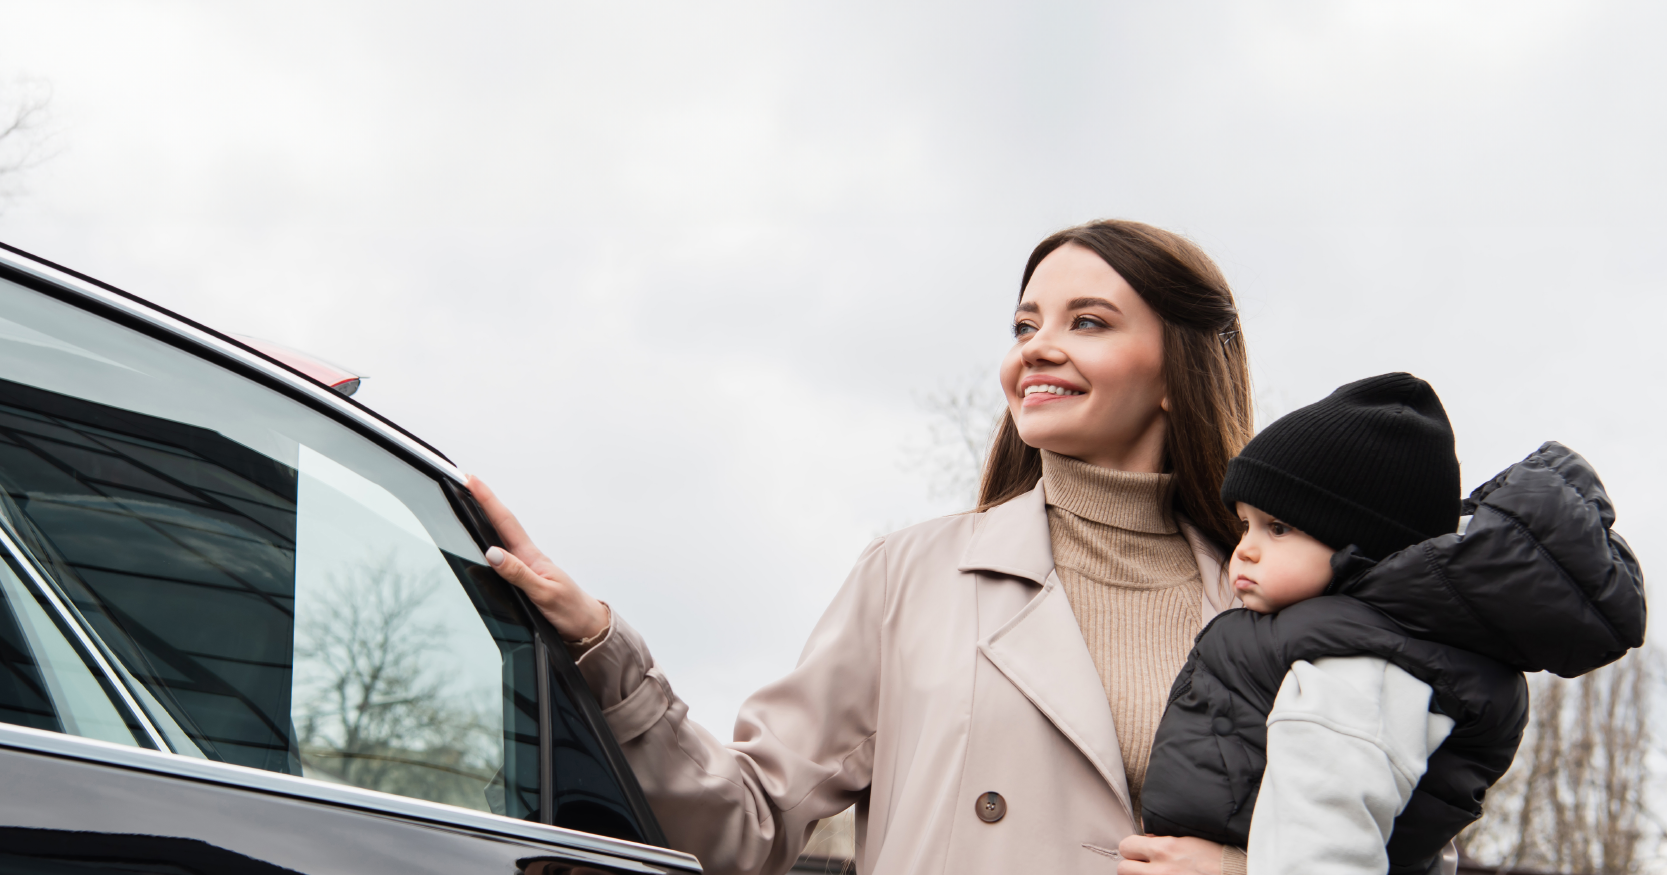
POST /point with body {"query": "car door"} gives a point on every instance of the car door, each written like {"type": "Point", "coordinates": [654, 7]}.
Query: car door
{"type": "Point", "coordinates": [257, 619]}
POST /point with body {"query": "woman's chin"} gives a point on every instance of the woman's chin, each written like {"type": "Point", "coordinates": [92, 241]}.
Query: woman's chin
{"type": "Point", "coordinates": [1050, 430]}
{"type": "Point", "coordinates": [1051, 441]}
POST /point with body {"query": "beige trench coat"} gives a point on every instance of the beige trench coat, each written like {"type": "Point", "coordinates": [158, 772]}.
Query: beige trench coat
{"type": "Point", "coordinates": [949, 665]}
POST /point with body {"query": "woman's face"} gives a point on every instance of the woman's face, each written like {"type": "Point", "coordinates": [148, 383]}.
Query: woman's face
{"type": "Point", "coordinates": [1085, 375]}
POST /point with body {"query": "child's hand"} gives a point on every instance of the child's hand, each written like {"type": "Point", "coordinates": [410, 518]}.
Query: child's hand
{"type": "Point", "coordinates": [1167, 855]}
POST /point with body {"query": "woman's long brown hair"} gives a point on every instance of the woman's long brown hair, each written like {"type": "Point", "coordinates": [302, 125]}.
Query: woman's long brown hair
{"type": "Point", "coordinates": [1205, 371]}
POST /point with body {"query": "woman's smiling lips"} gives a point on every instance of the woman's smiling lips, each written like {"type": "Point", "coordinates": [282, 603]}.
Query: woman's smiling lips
{"type": "Point", "coordinates": [1044, 390]}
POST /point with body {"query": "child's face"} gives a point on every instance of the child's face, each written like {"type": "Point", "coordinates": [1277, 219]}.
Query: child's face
{"type": "Point", "coordinates": [1275, 565]}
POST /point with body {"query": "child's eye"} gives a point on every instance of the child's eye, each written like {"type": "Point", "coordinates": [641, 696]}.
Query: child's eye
{"type": "Point", "coordinates": [1278, 528]}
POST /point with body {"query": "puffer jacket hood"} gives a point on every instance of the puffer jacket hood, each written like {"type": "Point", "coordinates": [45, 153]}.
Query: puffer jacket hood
{"type": "Point", "coordinates": [1537, 580]}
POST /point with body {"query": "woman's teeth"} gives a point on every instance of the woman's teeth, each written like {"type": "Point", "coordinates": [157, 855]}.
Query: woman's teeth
{"type": "Point", "coordinates": [1051, 390]}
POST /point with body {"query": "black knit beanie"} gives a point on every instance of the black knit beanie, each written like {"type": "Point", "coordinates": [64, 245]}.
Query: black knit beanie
{"type": "Point", "coordinates": [1372, 464]}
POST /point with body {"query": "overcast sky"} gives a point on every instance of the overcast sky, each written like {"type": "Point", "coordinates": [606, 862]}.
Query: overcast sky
{"type": "Point", "coordinates": [673, 277]}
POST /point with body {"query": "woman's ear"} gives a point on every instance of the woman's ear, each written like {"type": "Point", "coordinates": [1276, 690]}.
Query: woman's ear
{"type": "Point", "coordinates": [1164, 404]}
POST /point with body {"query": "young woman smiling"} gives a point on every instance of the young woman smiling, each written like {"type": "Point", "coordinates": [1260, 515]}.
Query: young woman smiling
{"type": "Point", "coordinates": [985, 687]}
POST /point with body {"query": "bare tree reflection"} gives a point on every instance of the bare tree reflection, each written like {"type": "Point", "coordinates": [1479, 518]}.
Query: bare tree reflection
{"type": "Point", "coordinates": [377, 712]}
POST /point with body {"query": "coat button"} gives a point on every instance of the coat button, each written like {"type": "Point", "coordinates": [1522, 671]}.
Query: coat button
{"type": "Point", "coordinates": [1222, 726]}
{"type": "Point", "coordinates": [991, 807]}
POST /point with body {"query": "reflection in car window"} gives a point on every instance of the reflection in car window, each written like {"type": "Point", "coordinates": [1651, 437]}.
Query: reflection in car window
{"type": "Point", "coordinates": [281, 592]}
{"type": "Point", "coordinates": [396, 680]}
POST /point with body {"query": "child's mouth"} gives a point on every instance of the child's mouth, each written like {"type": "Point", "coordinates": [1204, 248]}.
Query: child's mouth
{"type": "Point", "coordinates": [1244, 584]}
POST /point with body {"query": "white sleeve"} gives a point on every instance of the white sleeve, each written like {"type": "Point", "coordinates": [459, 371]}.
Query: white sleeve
{"type": "Point", "coordinates": [1348, 739]}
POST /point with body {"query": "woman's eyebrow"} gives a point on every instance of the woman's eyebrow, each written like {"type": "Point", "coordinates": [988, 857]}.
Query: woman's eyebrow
{"type": "Point", "coordinates": [1082, 303]}
{"type": "Point", "coordinates": [1027, 307]}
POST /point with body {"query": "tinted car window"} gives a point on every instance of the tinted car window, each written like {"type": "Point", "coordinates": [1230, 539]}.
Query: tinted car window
{"type": "Point", "coordinates": [278, 591]}
{"type": "Point", "coordinates": [45, 683]}
{"type": "Point", "coordinates": [586, 796]}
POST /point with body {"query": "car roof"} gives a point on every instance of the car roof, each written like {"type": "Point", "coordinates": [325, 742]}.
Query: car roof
{"type": "Point", "coordinates": [224, 349]}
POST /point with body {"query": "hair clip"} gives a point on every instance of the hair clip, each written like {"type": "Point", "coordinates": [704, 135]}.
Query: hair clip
{"type": "Point", "coordinates": [1227, 336]}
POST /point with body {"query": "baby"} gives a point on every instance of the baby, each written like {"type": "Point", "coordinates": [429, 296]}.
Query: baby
{"type": "Point", "coordinates": [1352, 717]}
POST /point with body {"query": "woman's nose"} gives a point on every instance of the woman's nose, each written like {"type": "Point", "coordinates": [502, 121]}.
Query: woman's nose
{"type": "Point", "coordinates": [1041, 349]}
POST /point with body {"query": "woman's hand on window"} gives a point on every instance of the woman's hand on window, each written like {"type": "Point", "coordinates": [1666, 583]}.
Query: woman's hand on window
{"type": "Point", "coordinates": [576, 614]}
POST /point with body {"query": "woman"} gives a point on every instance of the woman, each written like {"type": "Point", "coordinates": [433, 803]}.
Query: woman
{"type": "Point", "coordinates": [957, 689]}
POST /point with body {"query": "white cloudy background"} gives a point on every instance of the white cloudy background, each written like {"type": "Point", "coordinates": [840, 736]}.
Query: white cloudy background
{"type": "Point", "coordinates": [672, 277]}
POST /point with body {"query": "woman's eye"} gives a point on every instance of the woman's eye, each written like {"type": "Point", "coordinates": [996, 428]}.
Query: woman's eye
{"type": "Point", "coordinates": [1023, 329]}
{"type": "Point", "coordinates": [1085, 322]}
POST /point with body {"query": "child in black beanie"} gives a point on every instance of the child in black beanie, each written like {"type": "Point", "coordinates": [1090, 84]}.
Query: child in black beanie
{"type": "Point", "coordinates": [1352, 717]}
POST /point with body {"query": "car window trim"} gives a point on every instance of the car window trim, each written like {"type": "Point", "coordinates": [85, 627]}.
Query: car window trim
{"type": "Point", "coordinates": [85, 642]}
{"type": "Point", "coordinates": [617, 853]}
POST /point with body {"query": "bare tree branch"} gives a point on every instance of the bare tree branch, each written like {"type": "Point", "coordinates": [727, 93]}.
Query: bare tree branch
{"type": "Point", "coordinates": [962, 418]}
{"type": "Point", "coordinates": [23, 135]}
{"type": "Point", "coordinates": [1576, 800]}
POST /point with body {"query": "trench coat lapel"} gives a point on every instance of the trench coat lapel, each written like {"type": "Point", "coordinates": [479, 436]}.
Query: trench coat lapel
{"type": "Point", "coordinates": [1041, 650]}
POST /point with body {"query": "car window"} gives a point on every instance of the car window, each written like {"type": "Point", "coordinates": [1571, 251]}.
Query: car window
{"type": "Point", "coordinates": [279, 591]}
{"type": "Point", "coordinates": [44, 681]}
{"type": "Point", "coordinates": [585, 796]}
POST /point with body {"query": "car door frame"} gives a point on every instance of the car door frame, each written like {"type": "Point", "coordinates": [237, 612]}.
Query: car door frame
{"type": "Point", "coordinates": [554, 664]}
{"type": "Point", "coordinates": [170, 780]}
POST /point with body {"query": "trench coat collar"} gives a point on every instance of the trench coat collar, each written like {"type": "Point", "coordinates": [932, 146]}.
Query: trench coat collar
{"type": "Point", "coordinates": [1012, 539]}
{"type": "Point", "coordinates": [1041, 649]}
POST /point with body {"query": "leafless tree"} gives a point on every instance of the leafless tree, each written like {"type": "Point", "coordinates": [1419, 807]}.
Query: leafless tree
{"type": "Point", "coordinates": [379, 715]}
{"type": "Point", "coordinates": [23, 115]}
{"type": "Point", "coordinates": [1577, 799]}
{"type": "Point", "coordinates": [962, 417]}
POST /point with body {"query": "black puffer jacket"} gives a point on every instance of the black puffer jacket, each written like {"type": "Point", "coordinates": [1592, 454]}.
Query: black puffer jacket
{"type": "Point", "coordinates": [1537, 582]}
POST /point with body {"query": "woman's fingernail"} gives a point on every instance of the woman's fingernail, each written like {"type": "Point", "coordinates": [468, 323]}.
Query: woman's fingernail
{"type": "Point", "coordinates": [494, 556]}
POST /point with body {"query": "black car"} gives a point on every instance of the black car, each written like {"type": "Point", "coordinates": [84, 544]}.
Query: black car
{"type": "Point", "coordinates": [246, 626]}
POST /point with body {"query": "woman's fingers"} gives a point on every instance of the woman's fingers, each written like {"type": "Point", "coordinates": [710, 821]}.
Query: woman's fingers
{"type": "Point", "coordinates": [1164, 855]}
{"type": "Point", "coordinates": [509, 528]}
{"type": "Point", "coordinates": [539, 588]}
{"type": "Point", "coordinates": [575, 613]}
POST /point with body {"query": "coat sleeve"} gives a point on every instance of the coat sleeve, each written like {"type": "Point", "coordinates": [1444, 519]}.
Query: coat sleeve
{"type": "Point", "coordinates": [803, 746]}
{"type": "Point", "coordinates": [1348, 740]}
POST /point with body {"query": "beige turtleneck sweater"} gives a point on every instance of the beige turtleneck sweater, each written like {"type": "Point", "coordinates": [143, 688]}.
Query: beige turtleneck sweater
{"type": "Point", "coordinates": [1134, 586]}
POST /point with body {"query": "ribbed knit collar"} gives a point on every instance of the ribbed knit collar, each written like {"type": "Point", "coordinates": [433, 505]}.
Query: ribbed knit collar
{"type": "Point", "coordinates": [1129, 501]}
